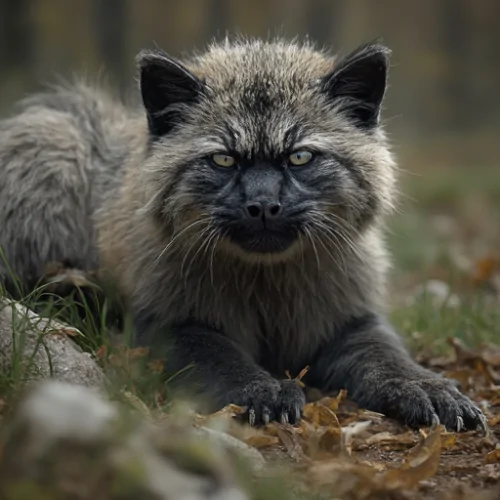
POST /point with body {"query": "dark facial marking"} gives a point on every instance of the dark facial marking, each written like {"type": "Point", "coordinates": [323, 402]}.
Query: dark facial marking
{"type": "Point", "coordinates": [166, 87]}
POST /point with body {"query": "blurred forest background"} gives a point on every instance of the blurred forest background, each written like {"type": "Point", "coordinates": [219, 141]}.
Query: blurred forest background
{"type": "Point", "coordinates": [442, 108]}
{"type": "Point", "coordinates": [443, 103]}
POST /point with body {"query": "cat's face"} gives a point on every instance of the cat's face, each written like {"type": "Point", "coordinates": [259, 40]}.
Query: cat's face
{"type": "Point", "coordinates": [265, 148]}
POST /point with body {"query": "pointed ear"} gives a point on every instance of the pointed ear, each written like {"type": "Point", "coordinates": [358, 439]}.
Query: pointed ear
{"type": "Point", "coordinates": [359, 82]}
{"type": "Point", "coordinates": [166, 88]}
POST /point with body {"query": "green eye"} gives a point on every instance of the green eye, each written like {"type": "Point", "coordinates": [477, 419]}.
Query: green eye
{"type": "Point", "coordinates": [223, 160]}
{"type": "Point", "coordinates": [300, 158]}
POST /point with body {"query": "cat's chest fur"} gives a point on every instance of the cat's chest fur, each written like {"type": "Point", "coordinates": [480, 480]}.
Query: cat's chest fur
{"type": "Point", "coordinates": [279, 313]}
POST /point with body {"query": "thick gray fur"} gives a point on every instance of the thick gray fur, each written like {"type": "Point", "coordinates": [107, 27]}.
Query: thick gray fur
{"type": "Point", "coordinates": [92, 183]}
{"type": "Point", "coordinates": [61, 155]}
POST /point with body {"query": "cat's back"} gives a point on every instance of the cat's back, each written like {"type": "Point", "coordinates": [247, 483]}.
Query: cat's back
{"type": "Point", "coordinates": [61, 153]}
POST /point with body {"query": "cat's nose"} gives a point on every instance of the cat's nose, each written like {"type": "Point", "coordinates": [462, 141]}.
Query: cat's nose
{"type": "Point", "coordinates": [263, 210]}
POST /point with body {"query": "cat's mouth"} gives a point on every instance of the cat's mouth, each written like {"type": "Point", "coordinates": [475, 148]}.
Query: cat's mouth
{"type": "Point", "coordinates": [264, 240]}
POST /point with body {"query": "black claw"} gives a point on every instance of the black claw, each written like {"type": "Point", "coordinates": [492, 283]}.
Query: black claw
{"type": "Point", "coordinates": [483, 424]}
{"type": "Point", "coordinates": [266, 415]}
{"type": "Point", "coordinates": [251, 416]}
{"type": "Point", "coordinates": [298, 414]}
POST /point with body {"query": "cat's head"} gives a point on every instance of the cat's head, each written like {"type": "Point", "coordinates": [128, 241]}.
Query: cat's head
{"type": "Point", "coordinates": [266, 149]}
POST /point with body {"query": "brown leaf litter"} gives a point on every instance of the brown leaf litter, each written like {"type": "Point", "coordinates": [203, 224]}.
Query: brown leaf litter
{"type": "Point", "coordinates": [343, 451]}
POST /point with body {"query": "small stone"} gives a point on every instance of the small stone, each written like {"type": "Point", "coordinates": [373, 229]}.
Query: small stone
{"type": "Point", "coordinates": [43, 352]}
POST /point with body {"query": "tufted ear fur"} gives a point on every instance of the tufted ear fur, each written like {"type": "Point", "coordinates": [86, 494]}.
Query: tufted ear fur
{"type": "Point", "coordinates": [359, 82]}
{"type": "Point", "coordinates": [166, 88]}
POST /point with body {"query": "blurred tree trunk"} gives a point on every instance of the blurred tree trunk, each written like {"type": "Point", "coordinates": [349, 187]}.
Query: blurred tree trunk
{"type": "Point", "coordinates": [17, 41]}
{"type": "Point", "coordinates": [16, 33]}
{"type": "Point", "coordinates": [111, 24]}
{"type": "Point", "coordinates": [455, 34]}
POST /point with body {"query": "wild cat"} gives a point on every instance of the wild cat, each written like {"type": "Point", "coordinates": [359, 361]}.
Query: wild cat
{"type": "Point", "coordinates": [240, 210]}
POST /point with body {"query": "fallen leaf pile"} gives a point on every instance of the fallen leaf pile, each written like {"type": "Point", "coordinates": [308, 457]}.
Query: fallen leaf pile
{"type": "Point", "coordinates": [357, 454]}
{"type": "Point", "coordinates": [341, 451]}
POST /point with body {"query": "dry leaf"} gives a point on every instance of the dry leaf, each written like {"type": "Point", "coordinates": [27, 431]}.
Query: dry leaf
{"type": "Point", "coordinates": [378, 466]}
{"type": "Point", "coordinates": [421, 463]}
{"type": "Point", "coordinates": [305, 429]}
{"type": "Point", "coordinates": [463, 353]}
{"type": "Point", "coordinates": [229, 411]}
{"type": "Point", "coordinates": [303, 372]}
{"type": "Point", "coordinates": [344, 477]}
{"type": "Point", "coordinates": [490, 376]}
{"type": "Point", "coordinates": [351, 431]}
{"type": "Point", "coordinates": [441, 361]}
{"type": "Point", "coordinates": [262, 440]}
{"type": "Point", "coordinates": [490, 354]}
{"type": "Point", "coordinates": [320, 415]}
{"type": "Point", "coordinates": [55, 274]}
{"type": "Point", "coordinates": [289, 438]}
{"type": "Point", "coordinates": [484, 269]}
{"type": "Point", "coordinates": [225, 417]}
{"type": "Point", "coordinates": [330, 439]}
{"type": "Point", "coordinates": [64, 330]}
{"type": "Point", "coordinates": [372, 415]}
{"type": "Point", "coordinates": [464, 375]}
{"type": "Point", "coordinates": [299, 377]}
{"type": "Point", "coordinates": [448, 440]}
{"type": "Point", "coordinates": [494, 421]}
{"type": "Point", "coordinates": [493, 457]}
{"type": "Point", "coordinates": [102, 352]}
{"type": "Point", "coordinates": [392, 441]}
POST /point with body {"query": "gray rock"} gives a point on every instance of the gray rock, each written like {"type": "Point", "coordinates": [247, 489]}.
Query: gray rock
{"type": "Point", "coordinates": [41, 349]}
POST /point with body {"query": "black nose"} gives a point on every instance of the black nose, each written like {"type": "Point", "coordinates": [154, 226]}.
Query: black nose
{"type": "Point", "coordinates": [259, 210]}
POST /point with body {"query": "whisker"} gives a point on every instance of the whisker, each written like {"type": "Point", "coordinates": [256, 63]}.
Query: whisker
{"type": "Point", "coordinates": [343, 267]}
{"type": "Point", "coordinates": [350, 244]}
{"type": "Point", "coordinates": [343, 230]}
{"type": "Point", "coordinates": [197, 238]}
{"type": "Point", "coordinates": [337, 237]}
{"type": "Point", "coordinates": [311, 239]}
{"type": "Point", "coordinates": [203, 247]}
{"type": "Point", "coordinates": [178, 234]}
{"type": "Point", "coordinates": [316, 235]}
{"type": "Point", "coordinates": [214, 246]}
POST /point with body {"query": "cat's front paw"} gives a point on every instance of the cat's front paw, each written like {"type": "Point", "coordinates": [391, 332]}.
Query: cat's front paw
{"type": "Point", "coordinates": [269, 399]}
{"type": "Point", "coordinates": [425, 400]}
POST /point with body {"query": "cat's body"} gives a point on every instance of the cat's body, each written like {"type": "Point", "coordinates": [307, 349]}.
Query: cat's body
{"type": "Point", "coordinates": [62, 156]}
{"type": "Point", "coordinates": [241, 215]}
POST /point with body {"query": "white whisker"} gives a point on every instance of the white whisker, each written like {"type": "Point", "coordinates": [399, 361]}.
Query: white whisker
{"type": "Point", "coordinates": [178, 234]}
